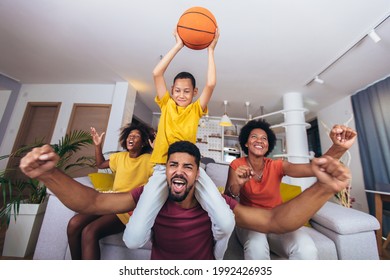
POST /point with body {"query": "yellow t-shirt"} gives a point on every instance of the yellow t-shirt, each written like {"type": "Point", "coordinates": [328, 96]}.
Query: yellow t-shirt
{"type": "Point", "coordinates": [176, 124]}
{"type": "Point", "coordinates": [130, 173]}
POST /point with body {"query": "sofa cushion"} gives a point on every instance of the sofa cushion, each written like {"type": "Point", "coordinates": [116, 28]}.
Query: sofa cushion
{"type": "Point", "coordinates": [85, 181]}
{"type": "Point", "coordinates": [325, 246]}
{"type": "Point", "coordinates": [117, 240]}
{"type": "Point", "coordinates": [218, 173]}
{"type": "Point", "coordinates": [288, 192]}
{"type": "Point", "coordinates": [53, 240]}
{"type": "Point", "coordinates": [344, 220]}
{"type": "Point", "coordinates": [102, 181]}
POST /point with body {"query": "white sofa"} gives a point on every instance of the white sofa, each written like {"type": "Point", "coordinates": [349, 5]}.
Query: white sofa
{"type": "Point", "coordinates": [339, 232]}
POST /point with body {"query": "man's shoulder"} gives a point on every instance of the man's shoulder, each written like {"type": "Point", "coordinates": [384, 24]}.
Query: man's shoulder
{"type": "Point", "coordinates": [136, 193]}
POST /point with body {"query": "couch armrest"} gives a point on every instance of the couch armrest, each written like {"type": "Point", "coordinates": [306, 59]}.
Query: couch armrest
{"type": "Point", "coordinates": [53, 240]}
{"type": "Point", "coordinates": [85, 181]}
{"type": "Point", "coordinates": [343, 220]}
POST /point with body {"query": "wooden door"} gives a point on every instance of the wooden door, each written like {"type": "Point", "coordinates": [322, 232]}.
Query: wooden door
{"type": "Point", "coordinates": [38, 123]}
{"type": "Point", "coordinates": [83, 117]}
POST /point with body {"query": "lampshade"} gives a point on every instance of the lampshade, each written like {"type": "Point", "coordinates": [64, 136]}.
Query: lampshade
{"type": "Point", "coordinates": [225, 121]}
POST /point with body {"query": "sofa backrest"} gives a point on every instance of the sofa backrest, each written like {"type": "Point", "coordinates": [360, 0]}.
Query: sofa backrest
{"type": "Point", "coordinates": [218, 172]}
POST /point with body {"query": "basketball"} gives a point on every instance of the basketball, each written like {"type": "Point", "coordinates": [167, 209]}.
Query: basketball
{"type": "Point", "coordinates": [196, 27]}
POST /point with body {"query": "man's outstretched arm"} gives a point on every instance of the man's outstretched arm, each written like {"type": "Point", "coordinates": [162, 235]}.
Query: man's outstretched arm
{"type": "Point", "coordinates": [40, 164]}
{"type": "Point", "coordinates": [332, 177]}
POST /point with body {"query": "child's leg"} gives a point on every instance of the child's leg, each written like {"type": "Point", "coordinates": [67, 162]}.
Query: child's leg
{"type": "Point", "coordinates": [139, 228]}
{"type": "Point", "coordinates": [222, 217]}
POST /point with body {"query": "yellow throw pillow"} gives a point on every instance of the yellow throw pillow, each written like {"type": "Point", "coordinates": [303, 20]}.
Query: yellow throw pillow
{"type": "Point", "coordinates": [102, 181]}
{"type": "Point", "coordinates": [288, 192]}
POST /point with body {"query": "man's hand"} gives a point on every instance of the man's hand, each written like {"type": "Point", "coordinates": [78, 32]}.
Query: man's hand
{"type": "Point", "coordinates": [39, 162]}
{"type": "Point", "coordinates": [331, 173]}
{"type": "Point", "coordinates": [342, 136]}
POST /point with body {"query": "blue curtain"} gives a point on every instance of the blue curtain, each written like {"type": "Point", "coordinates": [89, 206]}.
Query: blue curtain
{"type": "Point", "coordinates": [371, 108]}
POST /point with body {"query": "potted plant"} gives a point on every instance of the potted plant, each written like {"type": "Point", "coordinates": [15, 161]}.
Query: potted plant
{"type": "Point", "coordinates": [23, 194]}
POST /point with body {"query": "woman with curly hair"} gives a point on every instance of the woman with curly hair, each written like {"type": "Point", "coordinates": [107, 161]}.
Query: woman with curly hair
{"type": "Point", "coordinates": [132, 168]}
{"type": "Point", "coordinates": [255, 181]}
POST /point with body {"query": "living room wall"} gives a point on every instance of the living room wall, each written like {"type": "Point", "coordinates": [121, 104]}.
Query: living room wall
{"type": "Point", "coordinates": [120, 95]}
{"type": "Point", "coordinates": [4, 96]}
{"type": "Point", "coordinates": [341, 113]}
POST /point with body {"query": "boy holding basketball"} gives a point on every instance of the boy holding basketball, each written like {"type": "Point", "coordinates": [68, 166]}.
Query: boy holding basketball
{"type": "Point", "coordinates": [179, 121]}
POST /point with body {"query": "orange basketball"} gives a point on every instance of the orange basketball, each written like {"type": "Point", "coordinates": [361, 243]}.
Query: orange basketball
{"type": "Point", "coordinates": [196, 27]}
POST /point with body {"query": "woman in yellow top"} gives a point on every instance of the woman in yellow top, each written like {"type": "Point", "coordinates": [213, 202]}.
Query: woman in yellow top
{"type": "Point", "coordinates": [132, 169]}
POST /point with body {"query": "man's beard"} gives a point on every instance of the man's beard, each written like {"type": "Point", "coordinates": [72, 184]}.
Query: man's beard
{"type": "Point", "coordinates": [178, 197]}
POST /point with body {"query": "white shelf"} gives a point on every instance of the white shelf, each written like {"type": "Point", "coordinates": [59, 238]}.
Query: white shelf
{"type": "Point", "coordinates": [231, 136]}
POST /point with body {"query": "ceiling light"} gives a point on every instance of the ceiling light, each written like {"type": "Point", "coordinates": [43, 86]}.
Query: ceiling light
{"type": "Point", "coordinates": [374, 36]}
{"type": "Point", "coordinates": [225, 120]}
{"type": "Point", "coordinates": [318, 80]}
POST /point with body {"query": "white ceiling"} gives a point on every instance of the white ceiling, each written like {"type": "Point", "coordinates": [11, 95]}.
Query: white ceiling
{"type": "Point", "coordinates": [266, 48]}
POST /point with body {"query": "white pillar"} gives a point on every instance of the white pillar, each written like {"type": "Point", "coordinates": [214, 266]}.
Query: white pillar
{"type": "Point", "coordinates": [118, 111]}
{"type": "Point", "coordinates": [296, 136]}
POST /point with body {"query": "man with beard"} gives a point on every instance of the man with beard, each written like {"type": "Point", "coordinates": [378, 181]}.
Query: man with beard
{"type": "Point", "coordinates": [182, 229]}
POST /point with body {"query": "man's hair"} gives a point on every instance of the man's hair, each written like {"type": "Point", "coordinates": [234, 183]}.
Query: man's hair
{"type": "Point", "coordinates": [185, 147]}
{"type": "Point", "coordinates": [146, 134]}
{"type": "Point", "coordinates": [251, 125]}
{"type": "Point", "coordinates": [185, 75]}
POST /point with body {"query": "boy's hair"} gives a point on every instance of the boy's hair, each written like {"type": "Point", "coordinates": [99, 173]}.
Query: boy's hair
{"type": "Point", "coordinates": [146, 134]}
{"type": "Point", "coordinates": [251, 125]}
{"type": "Point", "coordinates": [185, 75]}
{"type": "Point", "coordinates": [185, 147]}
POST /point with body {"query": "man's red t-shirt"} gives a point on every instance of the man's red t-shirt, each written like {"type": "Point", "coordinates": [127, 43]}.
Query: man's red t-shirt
{"type": "Point", "coordinates": [182, 234]}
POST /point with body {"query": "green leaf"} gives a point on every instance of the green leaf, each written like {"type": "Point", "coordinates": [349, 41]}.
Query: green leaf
{"type": "Point", "coordinates": [14, 191]}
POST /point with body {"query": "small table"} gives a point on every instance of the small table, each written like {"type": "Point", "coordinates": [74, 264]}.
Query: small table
{"type": "Point", "coordinates": [382, 194]}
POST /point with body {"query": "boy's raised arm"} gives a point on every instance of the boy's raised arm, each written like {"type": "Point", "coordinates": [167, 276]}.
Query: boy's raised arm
{"type": "Point", "coordinates": [211, 79]}
{"type": "Point", "coordinates": [161, 67]}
